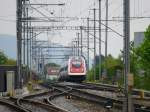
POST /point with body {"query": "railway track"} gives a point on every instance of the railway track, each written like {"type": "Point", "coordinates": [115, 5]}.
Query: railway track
{"type": "Point", "coordinates": [47, 96]}
{"type": "Point", "coordinates": [89, 97]}
{"type": "Point", "coordinates": [116, 103]}
{"type": "Point", "coordinates": [74, 104]}
{"type": "Point", "coordinates": [107, 89]}
{"type": "Point", "coordinates": [11, 107]}
{"type": "Point", "coordinates": [76, 94]}
{"type": "Point", "coordinates": [42, 95]}
{"type": "Point", "coordinates": [35, 102]}
{"type": "Point", "coordinates": [59, 93]}
{"type": "Point", "coordinates": [35, 106]}
{"type": "Point", "coordinates": [113, 88]}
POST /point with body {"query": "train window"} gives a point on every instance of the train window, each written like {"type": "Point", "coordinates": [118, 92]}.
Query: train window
{"type": "Point", "coordinates": [76, 64]}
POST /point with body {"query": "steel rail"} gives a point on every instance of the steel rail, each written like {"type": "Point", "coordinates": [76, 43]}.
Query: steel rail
{"type": "Point", "coordinates": [117, 103]}
{"type": "Point", "coordinates": [13, 106]}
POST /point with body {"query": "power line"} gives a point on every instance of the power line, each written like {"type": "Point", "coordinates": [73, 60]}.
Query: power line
{"type": "Point", "coordinates": [113, 30]}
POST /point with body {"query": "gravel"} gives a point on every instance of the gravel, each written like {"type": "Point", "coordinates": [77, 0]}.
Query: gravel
{"type": "Point", "coordinates": [34, 108]}
{"type": "Point", "coordinates": [4, 108]}
{"type": "Point", "coordinates": [75, 105]}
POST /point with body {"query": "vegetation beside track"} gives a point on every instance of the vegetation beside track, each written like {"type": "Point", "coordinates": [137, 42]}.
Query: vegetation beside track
{"type": "Point", "coordinates": [139, 66]}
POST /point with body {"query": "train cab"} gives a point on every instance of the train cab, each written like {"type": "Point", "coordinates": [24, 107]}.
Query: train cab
{"type": "Point", "coordinates": [75, 70]}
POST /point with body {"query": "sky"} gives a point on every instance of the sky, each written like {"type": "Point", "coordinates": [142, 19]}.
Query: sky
{"type": "Point", "coordinates": [10, 48]}
{"type": "Point", "coordinates": [80, 9]}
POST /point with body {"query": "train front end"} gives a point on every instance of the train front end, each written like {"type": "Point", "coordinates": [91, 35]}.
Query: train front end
{"type": "Point", "coordinates": [77, 69]}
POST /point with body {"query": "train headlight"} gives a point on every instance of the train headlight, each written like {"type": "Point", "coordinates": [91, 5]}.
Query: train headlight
{"type": "Point", "coordinates": [82, 70]}
{"type": "Point", "coordinates": [71, 70]}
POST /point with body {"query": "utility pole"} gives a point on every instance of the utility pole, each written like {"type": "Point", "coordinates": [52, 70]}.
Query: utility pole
{"type": "Point", "coordinates": [106, 37]}
{"type": "Point", "coordinates": [100, 60]}
{"type": "Point", "coordinates": [23, 44]}
{"type": "Point", "coordinates": [30, 51]}
{"type": "Point", "coordinates": [73, 48]}
{"type": "Point", "coordinates": [30, 45]}
{"type": "Point", "coordinates": [88, 44]}
{"type": "Point", "coordinates": [76, 48]}
{"type": "Point", "coordinates": [19, 38]}
{"type": "Point", "coordinates": [35, 54]}
{"type": "Point", "coordinates": [41, 61]}
{"type": "Point", "coordinates": [81, 40]}
{"type": "Point", "coordinates": [38, 60]}
{"type": "Point", "coordinates": [128, 104]}
{"type": "Point", "coordinates": [78, 43]}
{"type": "Point", "coordinates": [94, 43]}
{"type": "Point", "coordinates": [24, 32]}
{"type": "Point", "coordinates": [31, 48]}
{"type": "Point", "coordinates": [27, 44]}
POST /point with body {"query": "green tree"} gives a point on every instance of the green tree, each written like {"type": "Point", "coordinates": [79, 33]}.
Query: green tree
{"type": "Point", "coordinates": [113, 64]}
{"type": "Point", "coordinates": [134, 64]}
{"type": "Point", "coordinates": [3, 58]}
{"type": "Point", "coordinates": [142, 79]}
{"type": "Point", "coordinates": [139, 62]}
{"type": "Point", "coordinates": [10, 62]}
{"type": "Point", "coordinates": [143, 52]}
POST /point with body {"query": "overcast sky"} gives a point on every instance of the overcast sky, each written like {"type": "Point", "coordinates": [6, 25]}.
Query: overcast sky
{"type": "Point", "coordinates": [81, 9]}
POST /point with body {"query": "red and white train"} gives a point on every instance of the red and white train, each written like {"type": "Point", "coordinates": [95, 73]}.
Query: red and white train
{"type": "Point", "coordinates": [75, 70]}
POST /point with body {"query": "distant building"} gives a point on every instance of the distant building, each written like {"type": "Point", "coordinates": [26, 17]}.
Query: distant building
{"type": "Point", "coordinates": [138, 38]}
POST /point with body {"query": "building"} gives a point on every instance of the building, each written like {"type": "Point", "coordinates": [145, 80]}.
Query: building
{"type": "Point", "coordinates": [138, 38]}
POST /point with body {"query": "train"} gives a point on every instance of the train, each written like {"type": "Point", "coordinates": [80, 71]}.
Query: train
{"type": "Point", "coordinates": [74, 70]}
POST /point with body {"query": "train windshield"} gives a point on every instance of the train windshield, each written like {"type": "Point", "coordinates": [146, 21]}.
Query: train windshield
{"type": "Point", "coordinates": [76, 63]}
